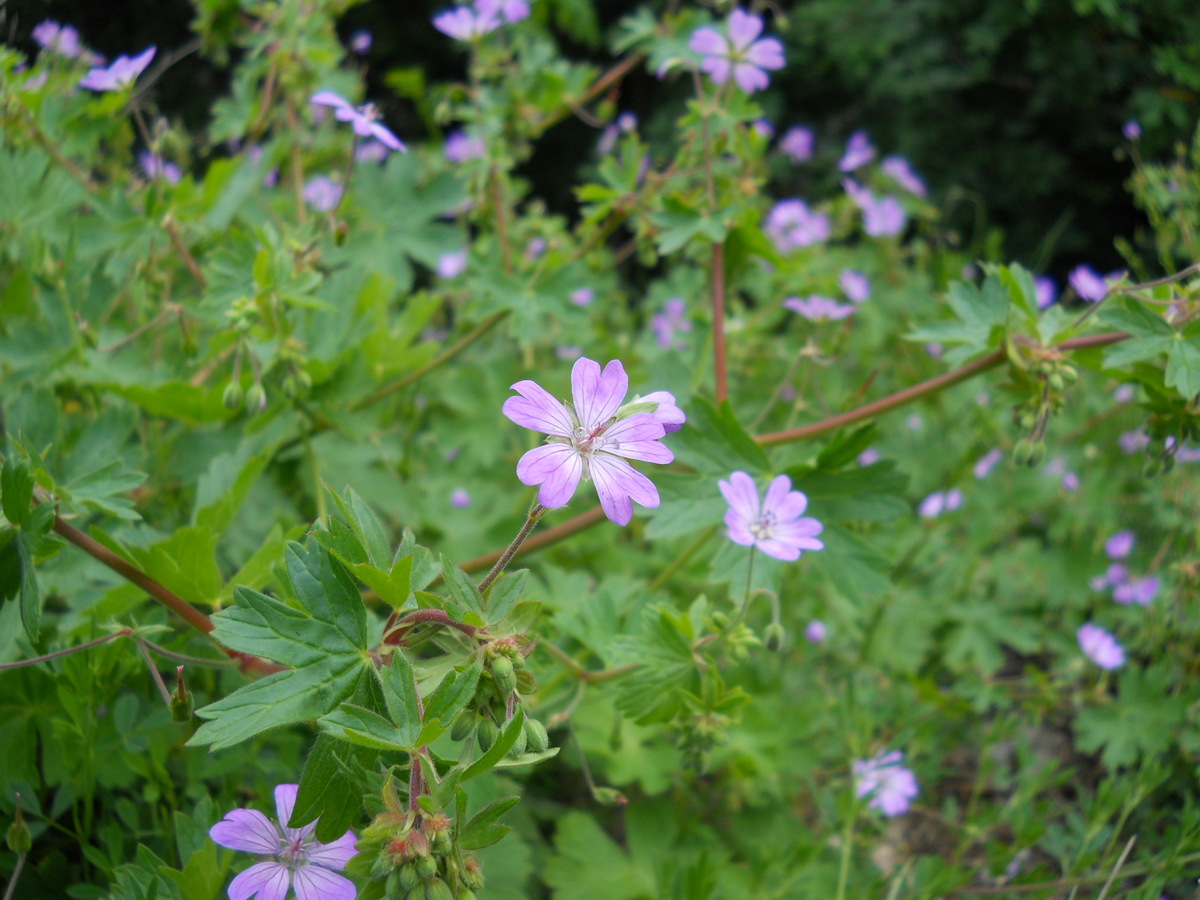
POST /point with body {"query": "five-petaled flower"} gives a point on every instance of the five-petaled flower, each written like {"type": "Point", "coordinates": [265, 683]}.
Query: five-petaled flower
{"type": "Point", "coordinates": [122, 73]}
{"type": "Point", "coordinates": [890, 785]}
{"type": "Point", "coordinates": [294, 858]}
{"type": "Point", "coordinates": [740, 53]}
{"type": "Point", "coordinates": [777, 526]}
{"type": "Point", "coordinates": [363, 118]}
{"type": "Point", "coordinates": [819, 309]}
{"type": "Point", "coordinates": [592, 437]}
{"type": "Point", "coordinates": [1100, 647]}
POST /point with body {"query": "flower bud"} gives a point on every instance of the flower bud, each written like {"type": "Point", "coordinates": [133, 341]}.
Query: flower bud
{"type": "Point", "coordinates": [18, 838]}
{"type": "Point", "coordinates": [1056, 381]}
{"type": "Point", "coordinates": [427, 866]}
{"type": "Point", "coordinates": [518, 748]}
{"type": "Point", "coordinates": [393, 889]}
{"type": "Point", "coordinates": [774, 636]}
{"type": "Point", "coordinates": [409, 878]}
{"type": "Point", "coordinates": [472, 873]}
{"type": "Point", "coordinates": [464, 724]}
{"type": "Point", "coordinates": [181, 700]}
{"type": "Point", "coordinates": [256, 399]}
{"type": "Point", "coordinates": [438, 890]}
{"type": "Point", "coordinates": [505, 675]}
{"type": "Point", "coordinates": [536, 739]}
{"type": "Point", "coordinates": [487, 734]}
{"type": "Point", "coordinates": [233, 396]}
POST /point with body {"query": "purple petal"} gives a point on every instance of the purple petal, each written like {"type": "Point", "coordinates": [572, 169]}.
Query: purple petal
{"type": "Point", "coordinates": [750, 78]}
{"type": "Point", "coordinates": [335, 854]}
{"type": "Point", "coordinates": [386, 137]}
{"type": "Point", "coordinates": [329, 98]}
{"type": "Point", "coordinates": [778, 549]}
{"type": "Point", "coordinates": [777, 492]}
{"type": "Point", "coordinates": [269, 880]}
{"type": "Point", "coordinates": [617, 483]}
{"type": "Point", "coordinates": [639, 427]}
{"type": "Point", "coordinates": [557, 468]}
{"type": "Point", "coordinates": [668, 413]}
{"type": "Point", "coordinates": [247, 830]}
{"type": "Point", "coordinates": [739, 531]}
{"type": "Point", "coordinates": [717, 67]}
{"type": "Point", "coordinates": [597, 394]}
{"type": "Point", "coordinates": [741, 494]}
{"type": "Point", "coordinates": [315, 883]}
{"type": "Point", "coordinates": [709, 42]}
{"type": "Point", "coordinates": [538, 410]}
{"type": "Point", "coordinates": [766, 54]}
{"type": "Point", "coordinates": [285, 801]}
{"type": "Point", "coordinates": [743, 28]}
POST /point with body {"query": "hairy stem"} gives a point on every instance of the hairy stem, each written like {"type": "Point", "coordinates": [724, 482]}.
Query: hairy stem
{"type": "Point", "coordinates": [535, 512]}
{"type": "Point", "coordinates": [67, 651]}
{"type": "Point", "coordinates": [549, 536]}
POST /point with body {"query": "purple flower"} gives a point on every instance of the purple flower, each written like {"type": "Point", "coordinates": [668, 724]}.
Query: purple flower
{"type": "Point", "coordinates": [509, 10]}
{"type": "Point", "coordinates": [461, 147]}
{"type": "Point", "coordinates": [360, 41]}
{"type": "Point", "coordinates": [815, 632]}
{"type": "Point", "coordinates": [1070, 482]}
{"type": "Point", "coordinates": [451, 265]}
{"type": "Point", "coordinates": [869, 457]}
{"type": "Point", "coordinates": [987, 462]}
{"type": "Point", "coordinates": [884, 218]}
{"type": "Point", "coordinates": [535, 248]}
{"type": "Point", "coordinates": [1088, 283]}
{"type": "Point", "coordinates": [122, 73]}
{"type": "Point", "coordinates": [763, 128]}
{"type": "Point", "coordinates": [1119, 545]}
{"type": "Point", "coordinates": [777, 527]}
{"type": "Point", "coordinates": [791, 225]}
{"type": "Point", "coordinates": [1132, 441]}
{"type": "Point", "coordinates": [1045, 290]}
{"type": "Point", "coordinates": [60, 39]}
{"type": "Point", "coordinates": [797, 143]}
{"type": "Point", "coordinates": [858, 153]}
{"type": "Point", "coordinates": [582, 296]}
{"type": "Point", "coordinates": [323, 194]}
{"type": "Point", "coordinates": [663, 408]}
{"type": "Point", "coordinates": [466, 24]}
{"type": "Point", "coordinates": [1132, 130]}
{"type": "Point", "coordinates": [1137, 590]}
{"type": "Point", "coordinates": [363, 118]}
{"type": "Point", "coordinates": [855, 285]}
{"type": "Point", "coordinates": [890, 785]}
{"type": "Point", "coordinates": [939, 502]}
{"type": "Point", "coordinates": [460, 499]}
{"type": "Point", "coordinates": [739, 54]}
{"type": "Point", "coordinates": [673, 318]}
{"type": "Point", "coordinates": [156, 167]}
{"type": "Point", "coordinates": [1100, 647]}
{"type": "Point", "coordinates": [1124, 393]}
{"type": "Point", "coordinates": [626, 123]}
{"type": "Point", "coordinates": [568, 352]}
{"type": "Point", "coordinates": [589, 440]}
{"type": "Point", "coordinates": [819, 309]}
{"type": "Point", "coordinates": [370, 152]}
{"type": "Point", "coordinates": [898, 169]}
{"type": "Point", "coordinates": [297, 859]}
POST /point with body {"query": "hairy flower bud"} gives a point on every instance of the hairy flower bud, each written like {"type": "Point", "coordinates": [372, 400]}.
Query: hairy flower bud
{"type": "Point", "coordinates": [505, 675]}
{"type": "Point", "coordinates": [487, 734]}
{"type": "Point", "coordinates": [536, 739]}
{"type": "Point", "coordinates": [464, 724]}
{"type": "Point", "coordinates": [18, 838]}
{"type": "Point", "coordinates": [233, 396]}
{"type": "Point", "coordinates": [181, 700]}
{"type": "Point", "coordinates": [518, 747]}
{"type": "Point", "coordinates": [256, 399]}
{"type": "Point", "coordinates": [438, 890]}
{"type": "Point", "coordinates": [774, 636]}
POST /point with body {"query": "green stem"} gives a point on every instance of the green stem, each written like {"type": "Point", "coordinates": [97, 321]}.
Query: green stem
{"type": "Point", "coordinates": [844, 865]}
{"type": "Point", "coordinates": [86, 645]}
{"type": "Point", "coordinates": [535, 512]}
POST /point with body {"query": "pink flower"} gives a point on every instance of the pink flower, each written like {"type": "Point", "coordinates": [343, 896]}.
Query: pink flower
{"type": "Point", "coordinates": [360, 41]}
{"type": "Point", "coordinates": [791, 225]}
{"type": "Point", "coordinates": [939, 502]}
{"type": "Point", "coordinates": [60, 39]}
{"type": "Point", "coordinates": [1046, 291]}
{"type": "Point", "coordinates": [460, 499]}
{"type": "Point", "coordinates": [590, 440]}
{"type": "Point", "coordinates": [122, 73]}
{"type": "Point", "coordinates": [987, 462]}
{"type": "Point", "coordinates": [1100, 647]}
{"type": "Point", "coordinates": [451, 265]}
{"type": "Point", "coordinates": [362, 118]}
{"type": "Point", "coordinates": [797, 143]}
{"type": "Point", "coordinates": [869, 457]}
{"type": "Point", "coordinates": [673, 318]}
{"type": "Point", "coordinates": [815, 632]}
{"type": "Point", "coordinates": [582, 296]}
{"type": "Point", "coordinates": [1119, 545]}
{"type": "Point", "coordinates": [898, 169]}
{"type": "Point", "coordinates": [777, 526]}
{"type": "Point", "coordinates": [156, 167]}
{"type": "Point", "coordinates": [466, 24]}
{"type": "Point", "coordinates": [1088, 283]}
{"type": "Point", "coordinates": [323, 194]}
{"type": "Point", "coordinates": [461, 146]}
{"type": "Point", "coordinates": [1140, 591]}
{"type": "Point", "coordinates": [858, 153]}
{"type": "Point", "coordinates": [884, 218]}
{"type": "Point", "coordinates": [819, 309]}
{"type": "Point", "coordinates": [1132, 130]}
{"type": "Point", "coordinates": [855, 285]}
{"type": "Point", "coordinates": [739, 54]}
{"type": "Point", "coordinates": [297, 859]}
{"type": "Point", "coordinates": [890, 785]}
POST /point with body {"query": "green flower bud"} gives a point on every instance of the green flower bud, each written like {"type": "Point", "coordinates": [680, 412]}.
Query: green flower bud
{"type": "Point", "coordinates": [526, 683]}
{"type": "Point", "coordinates": [487, 732]}
{"type": "Point", "coordinates": [518, 748]}
{"type": "Point", "coordinates": [464, 724]}
{"type": "Point", "coordinates": [438, 890]}
{"type": "Point", "coordinates": [18, 838]}
{"type": "Point", "coordinates": [1068, 373]}
{"type": "Point", "coordinates": [233, 396]}
{"type": "Point", "coordinates": [427, 866]}
{"type": "Point", "coordinates": [256, 399]}
{"type": "Point", "coordinates": [773, 637]}
{"type": "Point", "coordinates": [392, 889]}
{"type": "Point", "coordinates": [536, 739]}
{"type": "Point", "coordinates": [1056, 381]}
{"type": "Point", "coordinates": [505, 675]}
{"type": "Point", "coordinates": [181, 700]}
{"type": "Point", "coordinates": [409, 877]}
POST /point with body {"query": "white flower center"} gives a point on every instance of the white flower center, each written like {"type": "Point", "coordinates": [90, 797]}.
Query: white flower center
{"type": "Point", "coordinates": [763, 527]}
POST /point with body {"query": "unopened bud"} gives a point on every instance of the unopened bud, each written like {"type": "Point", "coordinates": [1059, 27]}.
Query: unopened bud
{"type": "Point", "coordinates": [1056, 381]}
{"type": "Point", "coordinates": [505, 675]}
{"type": "Point", "coordinates": [256, 399]}
{"type": "Point", "coordinates": [181, 700]}
{"type": "Point", "coordinates": [487, 734]}
{"type": "Point", "coordinates": [18, 838]}
{"type": "Point", "coordinates": [427, 866]}
{"type": "Point", "coordinates": [536, 739]}
{"type": "Point", "coordinates": [233, 396]}
{"type": "Point", "coordinates": [518, 747]}
{"type": "Point", "coordinates": [773, 637]}
{"type": "Point", "coordinates": [463, 725]}
{"type": "Point", "coordinates": [607, 796]}
{"type": "Point", "coordinates": [438, 890]}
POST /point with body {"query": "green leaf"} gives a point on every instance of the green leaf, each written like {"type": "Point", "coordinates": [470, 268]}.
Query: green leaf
{"type": "Point", "coordinates": [482, 831]}
{"type": "Point", "coordinates": [667, 668]}
{"type": "Point", "coordinates": [400, 696]}
{"type": "Point", "coordinates": [503, 593]}
{"type": "Point", "coordinates": [846, 446]}
{"type": "Point", "coordinates": [367, 528]}
{"type": "Point", "coordinates": [186, 563]}
{"type": "Point", "coordinates": [367, 729]}
{"type": "Point", "coordinates": [328, 786]}
{"type": "Point", "coordinates": [678, 223]}
{"type": "Point", "coordinates": [1143, 720]}
{"type": "Point", "coordinates": [453, 694]}
{"type": "Point", "coordinates": [498, 750]}
{"type": "Point", "coordinates": [31, 596]}
{"type": "Point", "coordinates": [324, 640]}
{"type": "Point", "coordinates": [1183, 366]}
{"type": "Point", "coordinates": [393, 587]}
{"type": "Point", "coordinates": [16, 489]}
{"type": "Point", "coordinates": [716, 442]}
{"type": "Point", "coordinates": [589, 865]}
{"type": "Point", "coordinates": [463, 590]}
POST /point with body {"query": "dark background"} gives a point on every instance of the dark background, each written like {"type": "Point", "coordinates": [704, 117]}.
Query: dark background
{"type": "Point", "coordinates": [1011, 109]}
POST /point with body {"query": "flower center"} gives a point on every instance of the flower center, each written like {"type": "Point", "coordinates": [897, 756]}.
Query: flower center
{"type": "Point", "coordinates": [763, 527]}
{"type": "Point", "coordinates": [292, 853]}
{"type": "Point", "coordinates": [587, 442]}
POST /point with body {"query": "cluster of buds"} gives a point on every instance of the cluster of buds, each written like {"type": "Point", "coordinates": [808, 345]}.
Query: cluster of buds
{"type": "Point", "coordinates": [497, 697]}
{"type": "Point", "coordinates": [1048, 375]}
{"type": "Point", "coordinates": [414, 855]}
{"type": "Point", "coordinates": [699, 734]}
